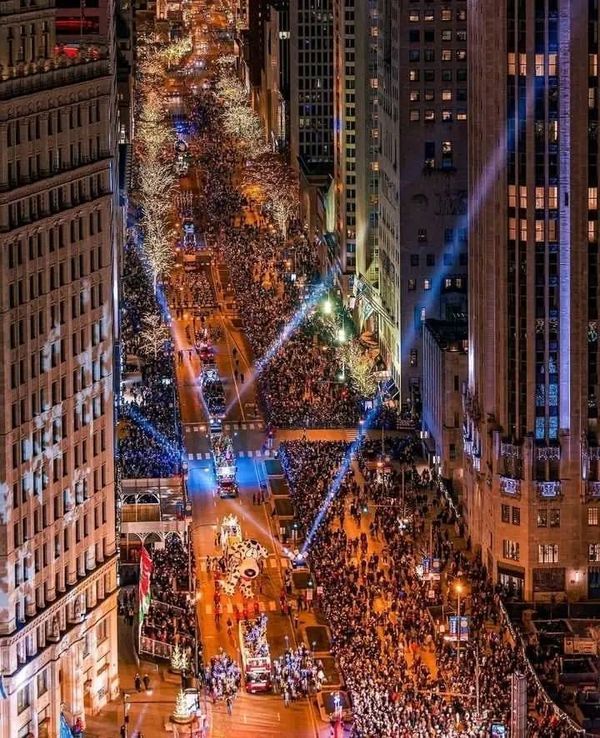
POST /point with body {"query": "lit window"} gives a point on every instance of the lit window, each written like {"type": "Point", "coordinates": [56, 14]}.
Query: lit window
{"type": "Point", "coordinates": [414, 16]}
{"type": "Point", "coordinates": [592, 65]}
{"type": "Point", "coordinates": [592, 516]}
{"type": "Point", "coordinates": [461, 115]}
{"type": "Point", "coordinates": [422, 315]}
{"type": "Point", "coordinates": [511, 550]}
{"type": "Point", "coordinates": [552, 198]}
{"type": "Point", "coordinates": [429, 115]}
{"type": "Point", "coordinates": [446, 55]}
{"type": "Point", "coordinates": [523, 65]}
{"type": "Point", "coordinates": [446, 35]}
{"type": "Point", "coordinates": [594, 552]}
{"type": "Point", "coordinates": [448, 283]}
{"type": "Point", "coordinates": [446, 94]}
{"type": "Point", "coordinates": [412, 285]}
{"type": "Point", "coordinates": [446, 14]}
{"type": "Point", "coordinates": [413, 75]}
{"type": "Point", "coordinates": [552, 65]}
{"type": "Point", "coordinates": [512, 229]}
{"type": "Point", "coordinates": [461, 55]}
{"type": "Point", "coordinates": [539, 198]}
{"type": "Point", "coordinates": [446, 115]}
{"type": "Point", "coordinates": [415, 95]}
{"type": "Point", "coordinates": [428, 16]}
{"type": "Point", "coordinates": [512, 196]}
{"type": "Point", "coordinates": [592, 198]}
{"type": "Point", "coordinates": [523, 229]}
{"type": "Point", "coordinates": [426, 284]}
{"type": "Point", "coordinates": [414, 115]}
{"type": "Point", "coordinates": [539, 231]}
{"type": "Point", "coordinates": [592, 231]}
{"type": "Point", "coordinates": [548, 553]}
{"type": "Point", "coordinates": [512, 63]}
{"type": "Point", "coordinates": [522, 196]}
{"type": "Point", "coordinates": [539, 65]}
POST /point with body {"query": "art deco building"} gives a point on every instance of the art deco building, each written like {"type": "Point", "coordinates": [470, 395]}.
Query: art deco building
{"type": "Point", "coordinates": [422, 226]}
{"type": "Point", "coordinates": [531, 432]}
{"type": "Point", "coordinates": [355, 144]}
{"type": "Point", "coordinates": [58, 240]}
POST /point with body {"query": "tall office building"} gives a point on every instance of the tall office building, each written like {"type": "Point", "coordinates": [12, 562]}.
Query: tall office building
{"type": "Point", "coordinates": [531, 431]}
{"type": "Point", "coordinates": [58, 240]}
{"type": "Point", "coordinates": [355, 143]}
{"type": "Point", "coordinates": [422, 227]}
{"type": "Point", "coordinates": [311, 96]}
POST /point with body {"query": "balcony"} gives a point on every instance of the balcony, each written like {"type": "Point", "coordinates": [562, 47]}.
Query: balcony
{"type": "Point", "coordinates": [548, 490]}
{"type": "Point", "coordinates": [510, 486]}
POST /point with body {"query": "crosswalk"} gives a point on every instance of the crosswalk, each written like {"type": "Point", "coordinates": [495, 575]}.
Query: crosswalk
{"type": "Point", "coordinates": [271, 562]}
{"type": "Point", "coordinates": [270, 606]}
{"type": "Point", "coordinates": [256, 425]}
{"type": "Point", "coordinates": [248, 454]}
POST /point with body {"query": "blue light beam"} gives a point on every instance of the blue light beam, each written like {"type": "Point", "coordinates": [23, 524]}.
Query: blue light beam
{"type": "Point", "coordinates": [342, 471]}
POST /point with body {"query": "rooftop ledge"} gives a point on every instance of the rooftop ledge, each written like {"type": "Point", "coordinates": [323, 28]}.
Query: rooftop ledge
{"type": "Point", "coordinates": [46, 74]}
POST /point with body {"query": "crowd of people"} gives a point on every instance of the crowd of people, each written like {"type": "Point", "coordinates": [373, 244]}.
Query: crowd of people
{"type": "Point", "coordinates": [404, 678]}
{"type": "Point", "coordinates": [297, 674]}
{"type": "Point", "coordinates": [223, 678]}
{"type": "Point", "coordinates": [171, 617]}
{"type": "Point", "coordinates": [149, 442]}
{"type": "Point", "coordinates": [274, 281]}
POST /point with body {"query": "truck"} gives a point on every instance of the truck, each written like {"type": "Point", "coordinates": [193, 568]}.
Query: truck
{"type": "Point", "coordinates": [255, 653]}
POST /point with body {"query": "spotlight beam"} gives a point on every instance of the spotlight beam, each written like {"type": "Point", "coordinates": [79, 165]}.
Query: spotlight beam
{"type": "Point", "coordinates": [341, 472]}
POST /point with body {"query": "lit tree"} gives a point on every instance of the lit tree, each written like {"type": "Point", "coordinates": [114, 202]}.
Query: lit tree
{"type": "Point", "coordinates": [153, 335]}
{"type": "Point", "coordinates": [179, 659]}
{"type": "Point", "coordinates": [157, 247]}
{"type": "Point", "coordinates": [360, 369]}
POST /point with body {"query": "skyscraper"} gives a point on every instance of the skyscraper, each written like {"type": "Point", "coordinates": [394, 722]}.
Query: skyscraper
{"type": "Point", "coordinates": [311, 86]}
{"type": "Point", "coordinates": [422, 113]}
{"type": "Point", "coordinates": [355, 140]}
{"type": "Point", "coordinates": [531, 429]}
{"type": "Point", "coordinates": [59, 236]}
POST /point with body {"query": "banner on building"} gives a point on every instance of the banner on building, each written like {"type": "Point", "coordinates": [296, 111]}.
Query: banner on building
{"type": "Point", "coordinates": [144, 589]}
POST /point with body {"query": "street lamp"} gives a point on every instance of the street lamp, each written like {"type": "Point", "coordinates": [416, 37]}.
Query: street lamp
{"type": "Point", "coordinates": [459, 589]}
{"type": "Point", "coordinates": [327, 307]}
{"type": "Point", "coordinates": [341, 335]}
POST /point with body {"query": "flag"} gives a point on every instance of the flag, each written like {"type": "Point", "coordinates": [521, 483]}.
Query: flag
{"type": "Point", "coordinates": [144, 589]}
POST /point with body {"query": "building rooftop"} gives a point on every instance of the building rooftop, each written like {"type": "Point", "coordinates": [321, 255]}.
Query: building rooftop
{"type": "Point", "coordinates": [450, 335]}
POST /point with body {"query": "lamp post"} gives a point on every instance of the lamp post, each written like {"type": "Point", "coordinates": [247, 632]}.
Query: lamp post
{"type": "Point", "coordinates": [458, 629]}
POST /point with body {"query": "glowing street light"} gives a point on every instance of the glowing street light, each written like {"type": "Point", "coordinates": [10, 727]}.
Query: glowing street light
{"type": "Point", "coordinates": [341, 335]}
{"type": "Point", "coordinates": [327, 307]}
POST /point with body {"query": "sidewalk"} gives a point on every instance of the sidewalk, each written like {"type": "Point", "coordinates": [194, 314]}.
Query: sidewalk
{"type": "Point", "coordinates": [147, 712]}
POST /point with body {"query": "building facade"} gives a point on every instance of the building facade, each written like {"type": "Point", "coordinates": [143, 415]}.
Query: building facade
{"type": "Point", "coordinates": [444, 379]}
{"type": "Point", "coordinates": [59, 237]}
{"type": "Point", "coordinates": [275, 75]}
{"type": "Point", "coordinates": [355, 141]}
{"type": "Point", "coordinates": [311, 101]}
{"type": "Point", "coordinates": [422, 224]}
{"type": "Point", "coordinates": [531, 423]}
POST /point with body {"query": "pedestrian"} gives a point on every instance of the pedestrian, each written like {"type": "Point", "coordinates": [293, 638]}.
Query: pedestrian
{"type": "Point", "coordinates": [229, 703]}
{"type": "Point", "coordinates": [138, 682]}
{"type": "Point", "coordinates": [229, 627]}
{"type": "Point", "coordinates": [241, 379]}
